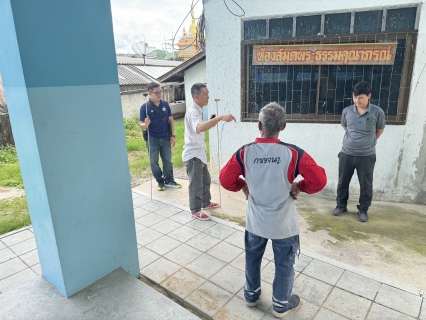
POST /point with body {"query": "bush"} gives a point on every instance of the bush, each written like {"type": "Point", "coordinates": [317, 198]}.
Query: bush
{"type": "Point", "coordinates": [8, 155]}
{"type": "Point", "coordinates": [132, 128]}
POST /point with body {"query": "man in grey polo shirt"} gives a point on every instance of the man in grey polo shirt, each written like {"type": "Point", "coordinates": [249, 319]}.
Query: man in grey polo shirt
{"type": "Point", "coordinates": [364, 123]}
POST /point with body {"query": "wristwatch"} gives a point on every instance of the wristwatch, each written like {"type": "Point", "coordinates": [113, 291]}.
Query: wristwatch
{"type": "Point", "coordinates": [173, 136]}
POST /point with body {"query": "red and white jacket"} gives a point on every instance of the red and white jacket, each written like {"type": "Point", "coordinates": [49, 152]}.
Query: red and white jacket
{"type": "Point", "coordinates": [269, 167]}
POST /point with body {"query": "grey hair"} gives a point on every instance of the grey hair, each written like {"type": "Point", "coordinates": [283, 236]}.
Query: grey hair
{"type": "Point", "coordinates": [196, 88]}
{"type": "Point", "coordinates": [272, 117]}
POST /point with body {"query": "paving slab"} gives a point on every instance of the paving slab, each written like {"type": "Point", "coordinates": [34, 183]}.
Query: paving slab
{"type": "Point", "coordinates": [301, 262]}
{"type": "Point", "coordinates": [182, 217]}
{"type": "Point", "coordinates": [269, 252]}
{"type": "Point", "coordinates": [378, 312]}
{"type": "Point", "coordinates": [311, 289]}
{"type": "Point", "coordinates": [147, 236]}
{"type": "Point", "coordinates": [11, 267]}
{"type": "Point", "coordinates": [203, 242]}
{"type": "Point", "coordinates": [183, 255]}
{"type": "Point", "coordinates": [237, 239]}
{"type": "Point", "coordinates": [209, 298]}
{"type": "Point", "coordinates": [265, 300]}
{"type": "Point", "coordinates": [236, 309]}
{"type": "Point", "coordinates": [325, 314]}
{"type": "Point", "coordinates": [6, 254]}
{"type": "Point", "coordinates": [359, 285]}
{"type": "Point", "coordinates": [225, 251]}
{"type": "Point", "coordinates": [220, 231]}
{"type": "Point", "coordinates": [399, 300]}
{"type": "Point", "coordinates": [229, 278]}
{"type": "Point", "coordinates": [168, 211]}
{"type": "Point", "coordinates": [150, 219]}
{"type": "Point", "coordinates": [163, 245]}
{"type": "Point", "coordinates": [17, 279]}
{"type": "Point", "coordinates": [201, 225]}
{"type": "Point", "coordinates": [17, 237]}
{"type": "Point", "coordinates": [166, 226]}
{"type": "Point", "coordinates": [146, 257]}
{"type": "Point", "coordinates": [160, 270]}
{"type": "Point", "coordinates": [423, 312]}
{"type": "Point", "coordinates": [307, 310]}
{"type": "Point", "coordinates": [24, 246]}
{"type": "Point", "coordinates": [206, 265]}
{"type": "Point", "coordinates": [140, 201]}
{"type": "Point", "coordinates": [183, 233]}
{"type": "Point", "coordinates": [30, 258]}
{"type": "Point", "coordinates": [324, 272]}
{"type": "Point", "coordinates": [37, 269]}
{"type": "Point", "coordinates": [347, 304]}
{"type": "Point", "coordinates": [139, 227]}
{"type": "Point", "coordinates": [116, 296]}
{"type": "Point", "coordinates": [240, 262]}
{"type": "Point", "coordinates": [140, 212]}
{"type": "Point", "coordinates": [183, 283]}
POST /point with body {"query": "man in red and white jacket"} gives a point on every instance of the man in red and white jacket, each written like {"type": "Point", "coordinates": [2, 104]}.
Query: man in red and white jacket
{"type": "Point", "coordinates": [269, 167]}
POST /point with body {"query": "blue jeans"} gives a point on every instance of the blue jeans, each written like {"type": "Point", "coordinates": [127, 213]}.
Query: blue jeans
{"type": "Point", "coordinates": [284, 254]}
{"type": "Point", "coordinates": [199, 184]}
{"type": "Point", "coordinates": [162, 148]}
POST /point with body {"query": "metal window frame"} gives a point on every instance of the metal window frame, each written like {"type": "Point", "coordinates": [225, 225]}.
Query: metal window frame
{"type": "Point", "coordinates": [404, 95]}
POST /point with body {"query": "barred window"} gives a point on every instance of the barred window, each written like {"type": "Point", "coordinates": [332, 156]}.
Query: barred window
{"type": "Point", "coordinates": [319, 93]}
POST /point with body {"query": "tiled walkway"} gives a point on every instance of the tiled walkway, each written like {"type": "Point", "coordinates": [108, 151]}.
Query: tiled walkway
{"type": "Point", "coordinates": [202, 264]}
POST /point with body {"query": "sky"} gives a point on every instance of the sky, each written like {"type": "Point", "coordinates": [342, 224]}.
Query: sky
{"type": "Point", "coordinates": [134, 19]}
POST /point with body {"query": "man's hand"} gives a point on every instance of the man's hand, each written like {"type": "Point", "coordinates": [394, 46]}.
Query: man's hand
{"type": "Point", "coordinates": [227, 118]}
{"type": "Point", "coordinates": [246, 191]}
{"type": "Point", "coordinates": [172, 142]}
{"type": "Point", "coordinates": [147, 122]}
{"type": "Point", "coordinates": [294, 192]}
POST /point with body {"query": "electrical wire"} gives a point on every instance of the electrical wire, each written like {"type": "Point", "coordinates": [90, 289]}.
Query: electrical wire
{"type": "Point", "coordinates": [242, 15]}
{"type": "Point", "coordinates": [201, 32]}
{"type": "Point", "coordinates": [177, 30]}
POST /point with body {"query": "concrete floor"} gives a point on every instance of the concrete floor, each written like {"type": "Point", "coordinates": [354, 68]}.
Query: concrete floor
{"type": "Point", "coordinates": [200, 263]}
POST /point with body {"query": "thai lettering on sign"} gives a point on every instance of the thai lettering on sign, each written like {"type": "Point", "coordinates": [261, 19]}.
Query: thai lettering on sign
{"type": "Point", "coordinates": [342, 54]}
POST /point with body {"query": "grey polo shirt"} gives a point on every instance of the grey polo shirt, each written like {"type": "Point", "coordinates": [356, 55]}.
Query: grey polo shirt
{"type": "Point", "coordinates": [360, 136]}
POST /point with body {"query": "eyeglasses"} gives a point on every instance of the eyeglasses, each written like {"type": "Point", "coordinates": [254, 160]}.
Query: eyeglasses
{"type": "Point", "coordinates": [158, 93]}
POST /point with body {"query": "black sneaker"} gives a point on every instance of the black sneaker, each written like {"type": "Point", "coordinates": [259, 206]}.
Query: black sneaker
{"type": "Point", "coordinates": [173, 184]}
{"type": "Point", "coordinates": [161, 186]}
{"type": "Point", "coordinates": [338, 211]}
{"type": "Point", "coordinates": [362, 215]}
{"type": "Point", "coordinates": [294, 304]}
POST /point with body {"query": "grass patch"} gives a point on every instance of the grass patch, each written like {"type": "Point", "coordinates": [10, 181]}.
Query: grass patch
{"type": "Point", "coordinates": [138, 153]}
{"type": "Point", "coordinates": [13, 214]}
{"type": "Point", "coordinates": [238, 220]}
{"type": "Point", "coordinates": [10, 173]}
{"type": "Point", "coordinates": [387, 224]}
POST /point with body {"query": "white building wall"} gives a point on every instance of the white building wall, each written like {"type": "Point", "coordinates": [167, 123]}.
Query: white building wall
{"type": "Point", "coordinates": [401, 151]}
{"type": "Point", "coordinates": [196, 73]}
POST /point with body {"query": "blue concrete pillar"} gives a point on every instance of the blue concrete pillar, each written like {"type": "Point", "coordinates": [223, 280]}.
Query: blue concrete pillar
{"type": "Point", "coordinates": [59, 70]}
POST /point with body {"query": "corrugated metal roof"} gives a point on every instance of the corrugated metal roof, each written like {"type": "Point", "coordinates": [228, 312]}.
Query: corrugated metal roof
{"type": "Point", "coordinates": [148, 62]}
{"type": "Point", "coordinates": [154, 72]}
{"type": "Point", "coordinates": [177, 73]}
{"type": "Point", "coordinates": [130, 75]}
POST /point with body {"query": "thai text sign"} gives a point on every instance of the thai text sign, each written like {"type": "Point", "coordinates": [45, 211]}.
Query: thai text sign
{"type": "Point", "coordinates": [310, 54]}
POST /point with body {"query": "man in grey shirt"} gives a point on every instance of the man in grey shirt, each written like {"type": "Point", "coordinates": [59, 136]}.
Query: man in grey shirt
{"type": "Point", "coordinates": [364, 123]}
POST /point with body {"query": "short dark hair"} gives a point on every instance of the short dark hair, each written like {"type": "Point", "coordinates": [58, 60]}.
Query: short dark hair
{"type": "Point", "coordinates": [152, 86]}
{"type": "Point", "coordinates": [196, 88]}
{"type": "Point", "coordinates": [362, 87]}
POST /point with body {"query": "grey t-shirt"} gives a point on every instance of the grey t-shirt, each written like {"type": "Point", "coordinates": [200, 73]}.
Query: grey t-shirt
{"type": "Point", "coordinates": [360, 136]}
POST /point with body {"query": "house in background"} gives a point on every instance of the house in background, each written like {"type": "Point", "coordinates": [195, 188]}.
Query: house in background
{"type": "Point", "coordinates": [189, 72]}
{"type": "Point", "coordinates": [134, 77]}
{"type": "Point", "coordinates": [249, 74]}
